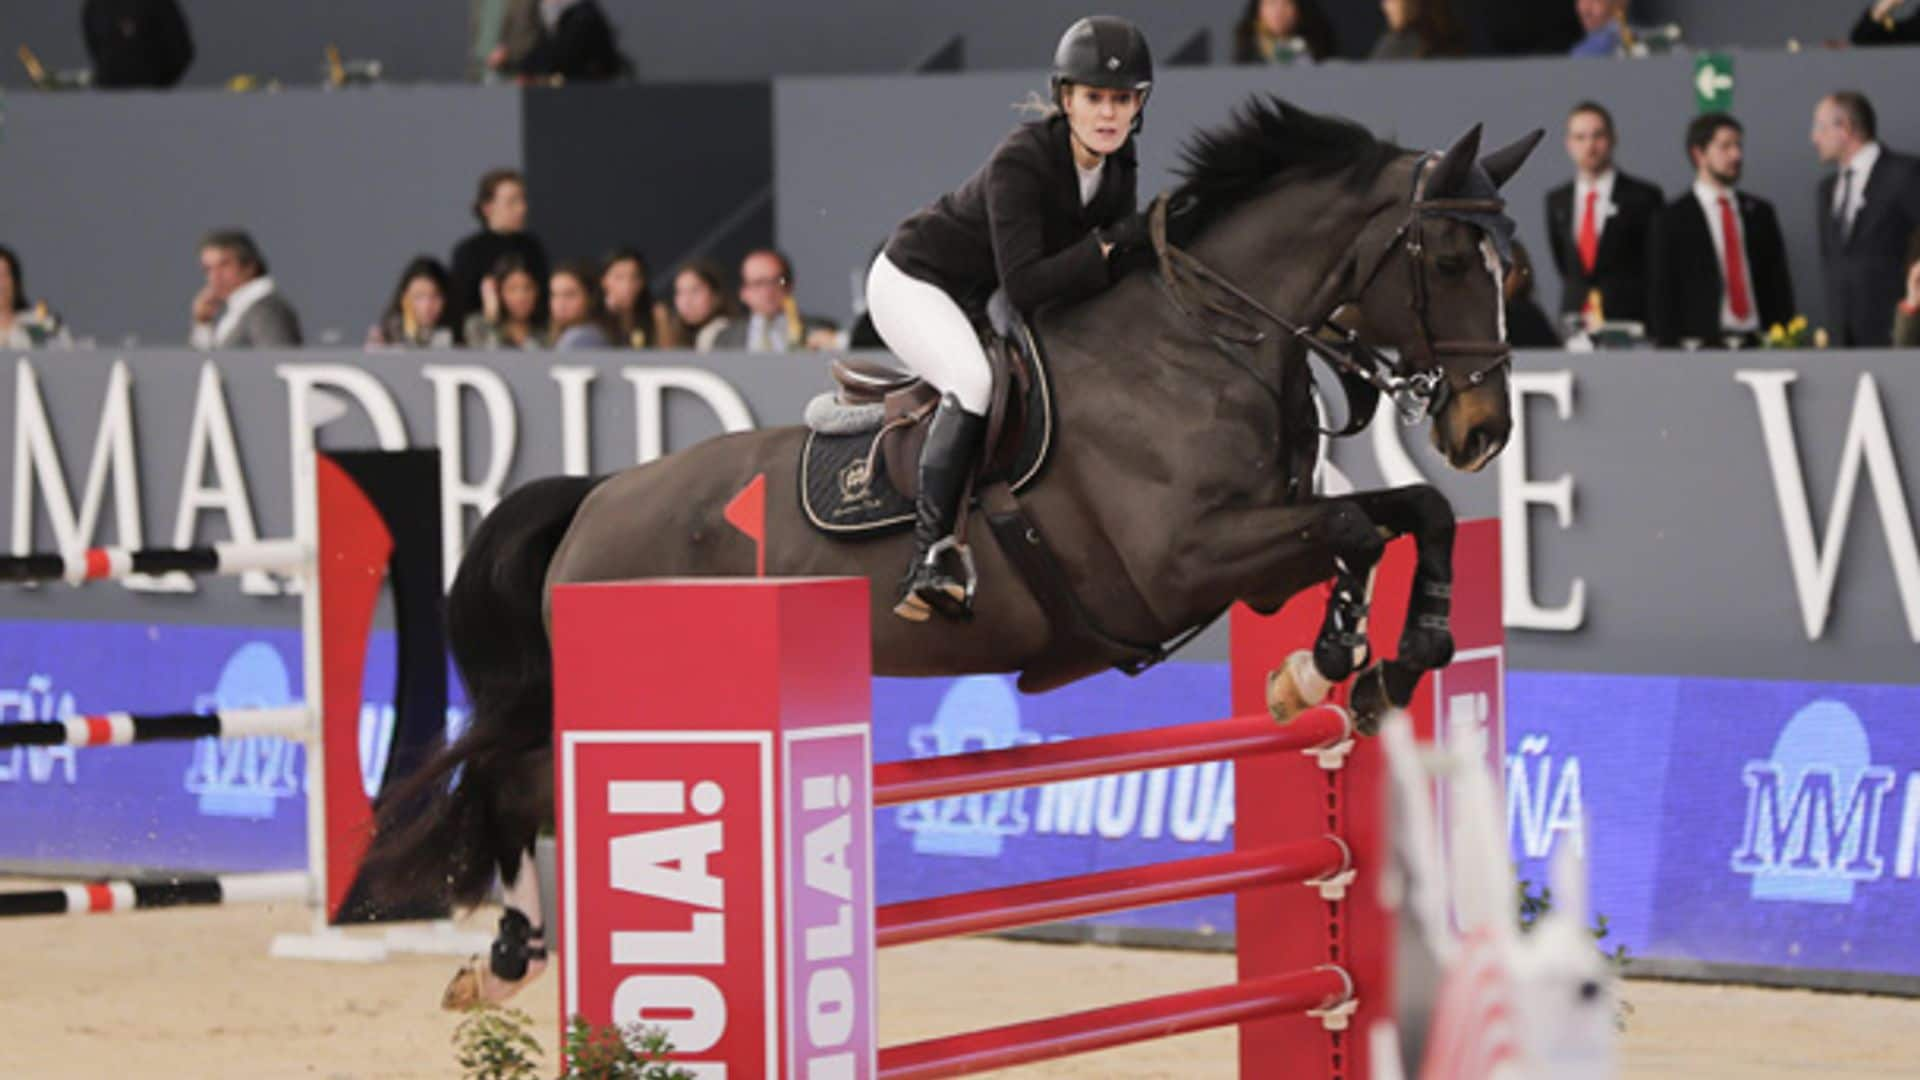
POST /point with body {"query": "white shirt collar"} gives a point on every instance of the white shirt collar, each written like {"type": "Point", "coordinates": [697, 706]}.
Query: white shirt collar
{"type": "Point", "coordinates": [1602, 184]}
{"type": "Point", "coordinates": [1862, 164]}
{"type": "Point", "coordinates": [1710, 193]}
{"type": "Point", "coordinates": [237, 304]}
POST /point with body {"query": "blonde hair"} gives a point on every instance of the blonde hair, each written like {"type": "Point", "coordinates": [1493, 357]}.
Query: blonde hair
{"type": "Point", "coordinates": [1036, 107]}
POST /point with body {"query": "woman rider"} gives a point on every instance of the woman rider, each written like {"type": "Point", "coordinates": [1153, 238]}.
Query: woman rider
{"type": "Point", "coordinates": [1049, 219]}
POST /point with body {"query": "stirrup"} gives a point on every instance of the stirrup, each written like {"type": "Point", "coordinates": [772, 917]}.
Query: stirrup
{"type": "Point", "coordinates": [950, 543]}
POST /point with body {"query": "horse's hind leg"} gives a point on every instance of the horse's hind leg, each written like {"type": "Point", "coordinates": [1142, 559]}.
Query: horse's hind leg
{"type": "Point", "coordinates": [1426, 643]}
{"type": "Point", "coordinates": [519, 952]}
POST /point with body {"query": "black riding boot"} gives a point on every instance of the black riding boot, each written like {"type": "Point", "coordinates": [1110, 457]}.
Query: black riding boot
{"type": "Point", "coordinates": [934, 582]}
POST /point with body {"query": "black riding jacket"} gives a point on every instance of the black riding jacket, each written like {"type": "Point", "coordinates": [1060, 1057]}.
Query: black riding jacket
{"type": "Point", "coordinates": [1018, 224]}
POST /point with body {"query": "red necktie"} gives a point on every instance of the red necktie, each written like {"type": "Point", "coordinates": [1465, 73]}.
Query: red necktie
{"type": "Point", "coordinates": [1737, 300]}
{"type": "Point", "coordinates": [1589, 235]}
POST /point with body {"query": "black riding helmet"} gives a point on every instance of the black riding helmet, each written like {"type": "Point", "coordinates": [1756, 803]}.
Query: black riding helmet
{"type": "Point", "coordinates": [1105, 51]}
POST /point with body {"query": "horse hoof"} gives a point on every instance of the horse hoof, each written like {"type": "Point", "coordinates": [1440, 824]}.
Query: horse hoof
{"type": "Point", "coordinates": [475, 986]}
{"type": "Point", "coordinates": [1368, 699]}
{"type": "Point", "coordinates": [1295, 686]}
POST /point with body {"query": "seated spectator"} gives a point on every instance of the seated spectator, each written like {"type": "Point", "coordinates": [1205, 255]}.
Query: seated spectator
{"type": "Point", "coordinates": [637, 320]}
{"type": "Point", "coordinates": [1527, 326]}
{"type": "Point", "coordinates": [24, 325]}
{"type": "Point", "coordinates": [700, 308]}
{"type": "Point", "coordinates": [1870, 208]}
{"type": "Point", "coordinates": [1270, 31]}
{"type": "Point", "coordinates": [579, 322]}
{"type": "Point", "coordinates": [1906, 314]}
{"type": "Point", "coordinates": [1605, 24]}
{"type": "Point", "coordinates": [1530, 27]}
{"type": "Point", "coordinates": [578, 45]}
{"type": "Point", "coordinates": [136, 43]}
{"type": "Point", "coordinates": [501, 206]}
{"type": "Point", "coordinates": [418, 316]}
{"type": "Point", "coordinates": [1882, 24]}
{"type": "Point", "coordinates": [1418, 30]}
{"type": "Point", "coordinates": [1716, 262]}
{"type": "Point", "coordinates": [511, 306]}
{"type": "Point", "coordinates": [773, 322]}
{"type": "Point", "coordinates": [239, 308]}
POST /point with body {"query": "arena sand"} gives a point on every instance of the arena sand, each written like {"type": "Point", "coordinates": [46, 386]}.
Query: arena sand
{"type": "Point", "coordinates": [191, 994]}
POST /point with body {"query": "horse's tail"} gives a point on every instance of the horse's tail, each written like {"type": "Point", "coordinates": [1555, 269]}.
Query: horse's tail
{"type": "Point", "coordinates": [480, 801]}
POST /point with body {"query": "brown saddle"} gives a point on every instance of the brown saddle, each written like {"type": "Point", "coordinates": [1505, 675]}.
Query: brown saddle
{"type": "Point", "coordinates": [909, 402]}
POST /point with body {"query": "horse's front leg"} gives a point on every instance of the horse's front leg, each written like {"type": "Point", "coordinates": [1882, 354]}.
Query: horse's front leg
{"type": "Point", "coordinates": [1341, 648]}
{"type": "Point", "coordinates": [1426, 642]}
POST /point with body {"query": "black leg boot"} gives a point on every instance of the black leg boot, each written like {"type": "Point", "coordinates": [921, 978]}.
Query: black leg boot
{"type": "Point", "coordinates": [934, 583]}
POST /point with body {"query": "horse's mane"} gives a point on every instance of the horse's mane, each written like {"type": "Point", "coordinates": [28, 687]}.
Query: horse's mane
{"type": "Point", "coordinates": [1268, 140]}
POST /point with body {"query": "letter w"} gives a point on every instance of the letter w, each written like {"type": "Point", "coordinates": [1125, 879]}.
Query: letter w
{"type": "Point", "coordinates": [1816, 566]}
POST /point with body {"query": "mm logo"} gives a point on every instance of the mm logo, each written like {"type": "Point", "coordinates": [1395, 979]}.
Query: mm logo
{"type": "Point", "coordinates": [1813, 810]}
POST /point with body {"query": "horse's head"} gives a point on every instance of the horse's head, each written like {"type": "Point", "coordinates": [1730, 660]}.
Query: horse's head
{"type": "Point", "coordinates": [1429, 274]}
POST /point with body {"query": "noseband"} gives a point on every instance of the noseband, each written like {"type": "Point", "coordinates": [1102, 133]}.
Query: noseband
{"type": "Point", "coordinates": [1428, 375]}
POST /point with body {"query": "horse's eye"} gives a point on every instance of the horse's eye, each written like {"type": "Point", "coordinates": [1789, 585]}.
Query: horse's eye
{"type": "Point", "coordinates": [1452, 265]}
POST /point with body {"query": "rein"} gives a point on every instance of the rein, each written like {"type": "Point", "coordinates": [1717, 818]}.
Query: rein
{"type": "Point", "coordinates": [1417, 394]}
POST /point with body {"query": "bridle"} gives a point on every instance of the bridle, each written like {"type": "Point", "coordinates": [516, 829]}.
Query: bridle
{"type": "Point", "coordinates": [1428, 374]}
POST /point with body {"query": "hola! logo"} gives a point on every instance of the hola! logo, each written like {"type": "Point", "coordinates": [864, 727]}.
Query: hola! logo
{"type": "Point", "coordinates": [1813, 810]}
{"type": "Point", "coordinates": [668, 871]}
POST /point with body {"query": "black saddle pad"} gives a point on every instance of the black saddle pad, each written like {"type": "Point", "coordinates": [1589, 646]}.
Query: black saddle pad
{"type": "Point", "coordinates": [841, 498]}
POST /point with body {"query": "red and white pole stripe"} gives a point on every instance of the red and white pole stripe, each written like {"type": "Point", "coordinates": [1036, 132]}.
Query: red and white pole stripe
{"type": "Point", "coordinates": [96, 564]}
{"type": "Point", "coordinates": [113, 897]}
{"type": "Point", "coordinates": [123, 729]}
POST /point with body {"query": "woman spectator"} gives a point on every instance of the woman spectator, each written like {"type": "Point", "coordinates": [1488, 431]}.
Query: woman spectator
{"type": "Point", "coordinates": [24, 325]}
{"type": "Point", "coordinates": [418, 316]}
{"type": "Point", "coordinates": [637, 319]}
{"type": "Point", "coordinates": [579, 45]}
{"type": "Point", "coordinates": [501, 206]}
{"type": "Point", "coordinates": [700, 305]}
{"type": "Point", "coordinates": [1267, 27]}
{"type": "Point", "coordinates": [1882, 24]}
{"type": "Point", "coordinates": [510, 309]}
{"type": "Point", "coordinates": [1527, 326]}
{"type": "Point", "coordinates": [1906, 316]}
{"type": "Point", "coordinates": [579, 322]}
{"type": "Point", "coordinates": [1418, 30]}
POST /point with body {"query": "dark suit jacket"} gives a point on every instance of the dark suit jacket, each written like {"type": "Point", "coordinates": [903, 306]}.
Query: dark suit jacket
{"type": "Point", "coordinates": [136, 43]}
{"type": "Point", "coordinates": [1684, 278]}
{"type": "Point", "coordinates": [1869, 31]}
{"type": "Point", "coordinates": [1866, 269]}
{"type": "Point", "coordinates": [1620, 266]}
{"type": "Point", "coordinates": [733, 336]}
{"type": "Point", "coordinates": [1018, 224]}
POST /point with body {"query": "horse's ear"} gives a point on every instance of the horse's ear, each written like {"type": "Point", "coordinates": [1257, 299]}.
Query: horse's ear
{"type": "Point", "coordinates": [1504, 162]}
{"type": "Point", "coordinates": [1450, 173]}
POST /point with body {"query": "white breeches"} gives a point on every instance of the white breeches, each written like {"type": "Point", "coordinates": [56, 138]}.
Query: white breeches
{"type": "Point", "coordinates": [930, 334]}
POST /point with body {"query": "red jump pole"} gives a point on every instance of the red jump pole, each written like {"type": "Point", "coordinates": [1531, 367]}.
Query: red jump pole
{"type": "Point", "coordinates": [1101, 755]}
{"type": "Point", "coordinates": [1118, 1025]}
{"type": "Point", "coordinates": [992, 910]}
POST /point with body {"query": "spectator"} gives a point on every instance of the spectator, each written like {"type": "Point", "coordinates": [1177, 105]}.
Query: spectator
{"type": "Point", "coordinates": [136, 43]}
{"type": "Point", "coordinates": [1268, 27]}
{"type": "Point", "coordinates": [501, 206]}
{"type": "Point", "coordinates": [1868, 212]}
{"type": "Point", "coordinates": [773, 322]}
{"type": "Point", "coordinates": [1597, 225]}
{"type": "Point", "coordinates": [24, 325]}
{"type": "Point", "coordinates": [1906, 314]}
{"type": "Point", "coordinates": [1418, 30]}
{"type": "Point", "coordinates": [1605, 24]}
{"type": "Point", "coordinates": [579, 320]}
{"type": "Point", "coordinates": [1530, 27]}
{"type": "Point", "coordinates": [637, 320]}
{"type": "Point", "coordinates": [506, 32]}
{"type": "Point", "coordinates": [510, 308]}
{"type": "Point", "coordinates": [418, 316]}
{"type": "Point", "coordinates": [1717, 266]}
{"type": "Point", "coordinates": [239, 308]}
{"type": "Point", "coordinates": [1880, 25]}
{"type": "Point", "coordinates": [578, 44]}
{"type": "Point", "coordinates": [700, 309]}
{"type": "Point", "coordinates": [1527, 326]}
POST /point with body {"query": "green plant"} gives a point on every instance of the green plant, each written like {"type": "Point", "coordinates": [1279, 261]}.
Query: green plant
{"type": "Point", "coordinates": [1533, 905]}
{"type": "Point", "coordinates": [497, 1044]}
{"type": "Point", "coordinates": [607, 1052]}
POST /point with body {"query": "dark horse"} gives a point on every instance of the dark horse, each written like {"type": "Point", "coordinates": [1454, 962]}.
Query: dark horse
{"type": "Point", "coordinates": [1180, 481]}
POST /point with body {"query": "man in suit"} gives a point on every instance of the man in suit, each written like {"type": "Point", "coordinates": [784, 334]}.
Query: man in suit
{"type": "Point", "coordinates": [1716, 263]}
{"type": "Point", "coordinates": [1597, 224]}
{"type": "Point", "coordinates": [1868, 211]}
{"type": "Point", "coordinates": [238, 308]}
{"type": "Point", "coordinates": [773, 323]}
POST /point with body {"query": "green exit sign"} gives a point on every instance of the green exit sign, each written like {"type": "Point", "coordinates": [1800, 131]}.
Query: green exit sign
{"type": "Point", "coordinates": [1713, 82]}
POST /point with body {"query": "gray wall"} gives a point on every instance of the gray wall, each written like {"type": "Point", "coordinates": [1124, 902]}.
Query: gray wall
{"type": "Point", "coordinates": [855, 155]}
{"type": "Point", "coordinates": [415, 40]}
{"type": "Point", "coordinates": [105, 197]}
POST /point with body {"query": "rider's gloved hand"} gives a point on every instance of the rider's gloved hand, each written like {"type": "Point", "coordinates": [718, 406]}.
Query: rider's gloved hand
{"type": "Point", "coordinates": [1126, 235]}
